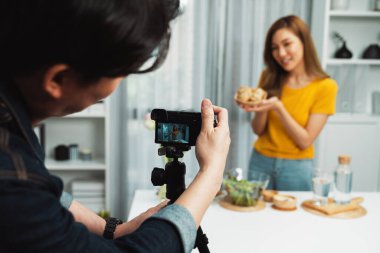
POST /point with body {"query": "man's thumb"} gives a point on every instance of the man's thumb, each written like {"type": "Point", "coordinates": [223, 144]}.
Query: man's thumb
{"type": "Point", "coordinates": [207, 112]}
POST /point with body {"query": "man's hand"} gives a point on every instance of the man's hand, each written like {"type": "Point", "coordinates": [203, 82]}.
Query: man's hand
{"type": "Point", "coordinates": [96, 224]}
{"type": "Point", "coordinates": [211, 150]}
{"type": "Point", "coordinates": [213, 142]}
{"type": "Point", "coordinates": [132, 225]}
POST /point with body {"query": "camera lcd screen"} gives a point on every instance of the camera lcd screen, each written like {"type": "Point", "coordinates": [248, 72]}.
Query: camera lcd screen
{"type": "Point", "coordinates": [172, 133]}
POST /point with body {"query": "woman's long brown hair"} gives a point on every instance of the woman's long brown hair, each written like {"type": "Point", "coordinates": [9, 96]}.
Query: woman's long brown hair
{"type": "Point", "coordinates": [273, 76]}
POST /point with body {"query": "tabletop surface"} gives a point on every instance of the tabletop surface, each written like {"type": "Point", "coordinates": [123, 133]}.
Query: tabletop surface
{"type": "Point", "coordinates": [273, 231]}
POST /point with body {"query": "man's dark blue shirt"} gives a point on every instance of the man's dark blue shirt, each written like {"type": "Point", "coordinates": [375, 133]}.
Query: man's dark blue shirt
{"type": "Point", "coordinates": [31, 216]}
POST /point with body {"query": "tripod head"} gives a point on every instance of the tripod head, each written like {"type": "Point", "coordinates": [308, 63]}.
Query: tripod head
{"type": "Point", "coordinates": [174, 173]}
{"type": "Point", "coordinates": [173, 151]}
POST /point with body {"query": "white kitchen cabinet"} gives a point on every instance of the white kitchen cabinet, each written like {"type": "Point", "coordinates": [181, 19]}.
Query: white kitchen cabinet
{"type": "Point", "coordinates": [359, 137]}
{"type": "Point", "coordinates": [354, 130]}
{"type": "Point", "coordinates": [88, 129]}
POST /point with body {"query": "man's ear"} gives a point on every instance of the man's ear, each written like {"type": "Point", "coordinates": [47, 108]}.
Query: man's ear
{"type": "Point", "coordinates": [54, 79]}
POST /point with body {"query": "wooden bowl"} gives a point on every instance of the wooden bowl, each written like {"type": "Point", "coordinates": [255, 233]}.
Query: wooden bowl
{"type": "Point", "coordinates": [284, 202]}
{"type": "Point", "coordinates": [268, 195]}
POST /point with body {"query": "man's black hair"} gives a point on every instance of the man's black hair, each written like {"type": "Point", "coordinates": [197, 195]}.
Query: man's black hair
{"type": "Point", "coordinates": [97, 38]}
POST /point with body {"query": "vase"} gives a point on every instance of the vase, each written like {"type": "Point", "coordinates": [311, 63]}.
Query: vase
{"type": "Point", "coordinates": [339, 4]}
{"type": "Point", "coordinates": [343, 52]}
{"type": "Point", "coordinates": [372, 52]}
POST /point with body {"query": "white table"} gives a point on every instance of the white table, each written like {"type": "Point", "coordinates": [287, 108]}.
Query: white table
{"type": "Point", "coordinates": [272, 231]}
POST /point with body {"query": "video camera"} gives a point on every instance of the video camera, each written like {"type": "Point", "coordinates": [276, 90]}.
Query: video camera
{"type": "Point", "coordinates": [176, 128]}
{"type": "Point", "coordinates": [176, 131]}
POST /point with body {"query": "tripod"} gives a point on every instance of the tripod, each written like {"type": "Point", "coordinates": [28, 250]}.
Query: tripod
{"type": "Point", "coordinates": [174, 177]}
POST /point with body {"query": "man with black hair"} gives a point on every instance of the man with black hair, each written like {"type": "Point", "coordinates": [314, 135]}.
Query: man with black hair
{"type": "Point", "coordinates": [56, 58]}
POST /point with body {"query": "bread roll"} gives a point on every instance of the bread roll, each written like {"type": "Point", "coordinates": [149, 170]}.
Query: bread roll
{"type": "Point", "coordinates": [250, 96]}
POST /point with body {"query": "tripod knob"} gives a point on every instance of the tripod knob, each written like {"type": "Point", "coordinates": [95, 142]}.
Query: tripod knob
{"type": "Point", "coordinates": [158, 177]}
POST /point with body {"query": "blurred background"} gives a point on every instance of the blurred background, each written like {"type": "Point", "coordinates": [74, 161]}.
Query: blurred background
{"type": "Point", "coordinates": [216, 46]}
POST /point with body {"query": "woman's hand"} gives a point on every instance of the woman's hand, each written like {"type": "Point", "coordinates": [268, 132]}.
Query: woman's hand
{"type": "Point", "coordinates": [132, 225]}
{"type": "Point", "coordinates": [266, 105]}
{"type": "Point", "coordinates": [213, 142]}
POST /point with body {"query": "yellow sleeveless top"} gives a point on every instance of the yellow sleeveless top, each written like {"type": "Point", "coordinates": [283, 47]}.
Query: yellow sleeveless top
{"type": "Point", "coordinates": [318, 97]}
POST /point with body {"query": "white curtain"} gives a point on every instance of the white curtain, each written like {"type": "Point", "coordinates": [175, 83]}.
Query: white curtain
{"type": "Point", "coordinates": [352, 97]}
{"type": "Point", "coordinates": [235, 39]}
{"type": "Point", "coordinates": [134, 153]}
{"type": "Point", "coordinates": [216, 46]}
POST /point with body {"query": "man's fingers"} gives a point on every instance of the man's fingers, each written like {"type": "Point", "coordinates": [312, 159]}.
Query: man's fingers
{"type": "Point", "coordinates": [207, 112]}
{"type": "Point", "coordinates": [161, 205]}
{"type": "Point", "coordinates": [151, 211]}
{"type": "Point", "coordinates": [164, 203]}
{"type": "Point", "coordinates": [222, 116]}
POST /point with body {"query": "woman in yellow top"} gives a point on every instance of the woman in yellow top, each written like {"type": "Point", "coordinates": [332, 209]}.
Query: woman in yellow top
{"type": "Point", "coordinates": [301, 98]}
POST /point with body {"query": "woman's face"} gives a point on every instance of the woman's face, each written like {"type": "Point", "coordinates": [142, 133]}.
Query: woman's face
{"type": "Point", "coordinates": [287, 50]}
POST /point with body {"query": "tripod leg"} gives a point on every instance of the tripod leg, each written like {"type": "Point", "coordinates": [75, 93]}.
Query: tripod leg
{"type": "Point", "coordinates": [201, 241]}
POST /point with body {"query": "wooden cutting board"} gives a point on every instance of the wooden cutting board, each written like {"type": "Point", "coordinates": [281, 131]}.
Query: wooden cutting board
{"type": "Point", "coordinates": [350, 214]}
{"type": "Point", "coordinates": [226, 203]}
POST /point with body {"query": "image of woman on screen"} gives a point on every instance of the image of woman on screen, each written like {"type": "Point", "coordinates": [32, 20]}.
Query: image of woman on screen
{"type": "Point", "coordinates": [178, 133]}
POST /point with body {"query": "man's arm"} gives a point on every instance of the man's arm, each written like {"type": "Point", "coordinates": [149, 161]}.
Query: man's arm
{"type": "Point", "coordinates": [33, 220]}
{"type": "Point", "coordinates": [87, 217]}
{"type": "Point", "coordinates": [96, 224]}
{"type": "Point", "coordinates": [211, 150]}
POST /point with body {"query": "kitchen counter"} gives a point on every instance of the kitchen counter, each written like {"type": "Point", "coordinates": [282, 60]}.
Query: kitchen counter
{"type": "Point", "coordinates": [273, 231]}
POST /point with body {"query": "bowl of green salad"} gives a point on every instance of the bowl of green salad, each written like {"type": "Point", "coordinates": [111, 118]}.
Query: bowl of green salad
{"type": "Point", "coordinates": [245, 192]}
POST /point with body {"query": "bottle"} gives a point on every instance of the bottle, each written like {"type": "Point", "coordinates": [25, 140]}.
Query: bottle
{"type": "Point", "coordinates": [73, 152]}
{"type": "Point", "coordinates": [343, 180]}
{"type": "Point", "coordinates": [377, 5]}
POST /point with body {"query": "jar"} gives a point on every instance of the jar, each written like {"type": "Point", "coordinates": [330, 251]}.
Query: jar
{"type": "Point", "coordinates": [343, 180]}
{"type": "Point", "coordinates": [85, 154]}
{"type": "Point", "coordinates": [73, 152]}
{"type": "Point", "coordinates": [339, 4]}
{"type": "Point", "coordinates": [377, 5]}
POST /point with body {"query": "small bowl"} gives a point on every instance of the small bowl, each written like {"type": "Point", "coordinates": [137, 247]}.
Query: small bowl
{"type": "Point", "coordinates": [268, 195]}
{"type": "Point", "coordinates": [284, 202]}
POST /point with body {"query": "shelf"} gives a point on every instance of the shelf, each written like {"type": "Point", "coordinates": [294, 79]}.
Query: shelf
{"type": "Point", "coordinates": [85, 115]}
{"type": "Point", "coordinates": [94, 111]}
{"type": "Point", "coordinates": [354, 118]}
{"type": "Point", "coordinates": [96, 164]}
{"type": "Point", "coordinates": [353, 62]}
{"type": "Point", "coordinates": [358, 14]}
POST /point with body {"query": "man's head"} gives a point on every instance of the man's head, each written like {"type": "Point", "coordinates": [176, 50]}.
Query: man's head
{"type": "Point", "coordinates": [97, 38]}
{"type": "Point", "coordinates": [87, 40]}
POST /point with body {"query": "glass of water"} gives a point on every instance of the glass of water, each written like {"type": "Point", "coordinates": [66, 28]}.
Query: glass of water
{"type": "Point", "coordinates": [322, 182]}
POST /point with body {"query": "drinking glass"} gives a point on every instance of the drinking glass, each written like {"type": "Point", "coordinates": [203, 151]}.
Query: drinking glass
{"type": "Point", "coordinates": [322, 182]}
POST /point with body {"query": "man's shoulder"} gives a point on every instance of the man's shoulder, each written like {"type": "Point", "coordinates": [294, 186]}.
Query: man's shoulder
{"type": "Point", "coordinates": [15, 153]}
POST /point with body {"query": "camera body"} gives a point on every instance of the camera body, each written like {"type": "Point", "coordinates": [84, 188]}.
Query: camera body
{"type": "Point", "coordinates": [176, 128]}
